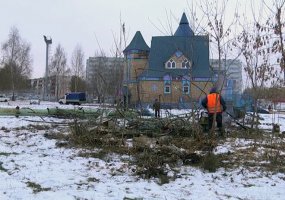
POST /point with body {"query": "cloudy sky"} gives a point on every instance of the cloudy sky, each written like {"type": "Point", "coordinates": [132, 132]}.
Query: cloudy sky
{"type": "Point", "coordinates": [93, 24]}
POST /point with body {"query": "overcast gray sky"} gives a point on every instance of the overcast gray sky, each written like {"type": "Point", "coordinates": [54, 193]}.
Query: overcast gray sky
{"type": "Point", "coordinates": [72, 22]}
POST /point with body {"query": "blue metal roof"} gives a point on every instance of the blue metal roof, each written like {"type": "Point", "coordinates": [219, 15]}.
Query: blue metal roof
{"type": "Point", "coordinates": [184, 28]}
{"type": "Point", "coordinates": [195, 48]}
{"type": "Point", "coordinates": [137, 43]}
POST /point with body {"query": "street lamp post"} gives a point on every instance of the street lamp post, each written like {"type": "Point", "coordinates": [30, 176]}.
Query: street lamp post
{"type": "Point", "coordinates": [48, 42]}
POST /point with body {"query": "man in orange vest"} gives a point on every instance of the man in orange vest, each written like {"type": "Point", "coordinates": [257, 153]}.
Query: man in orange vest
{"type": "Point", "coordinates": [214, 103]}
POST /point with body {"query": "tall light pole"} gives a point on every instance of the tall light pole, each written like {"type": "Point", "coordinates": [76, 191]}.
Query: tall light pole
{"type": "Point", "coordinates": [48, 42]}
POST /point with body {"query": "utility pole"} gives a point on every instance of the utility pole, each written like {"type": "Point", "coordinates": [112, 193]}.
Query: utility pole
{"type": "Point", "coordinates": [48, 42]}
{"type": "Point", "coordinates": [127, 66]}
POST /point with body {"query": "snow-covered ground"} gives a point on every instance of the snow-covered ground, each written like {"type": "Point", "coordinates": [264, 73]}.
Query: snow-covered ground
{"type": "Point", "coordinates": [33, 167]}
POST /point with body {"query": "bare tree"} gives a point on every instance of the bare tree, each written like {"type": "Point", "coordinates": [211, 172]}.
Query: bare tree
{"type": "Point", "coordinates": [16, 56]}
{"type": "Point", "coordinates": [107, 75]}
{"type": "Point", "coordinates": [58, 68]}
{"type": "Point", "coordinates": [219, 32]}
{"type": "Point", "coordinates": [80, 84]}
{"type": "Point", "coordinates": [77, 66]}
{"type": "Point", "coordinates": [278, 27]}
{"type": "Point", "coordinates": [116, 78]}
{"type": "Point", "coordinates": [99, 81]}
{"type": "Point", "coordinates": [259, 47]}
{"type": "Point", "coordinates": [256, 49]}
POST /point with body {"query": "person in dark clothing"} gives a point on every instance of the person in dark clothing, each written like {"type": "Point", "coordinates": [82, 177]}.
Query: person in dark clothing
{"type": "Point", "coordinates": [214, 103]}
{"type": "Point", "coordinates": [269, 108]}
{"type": "Point", "coordinates": [156, 108]}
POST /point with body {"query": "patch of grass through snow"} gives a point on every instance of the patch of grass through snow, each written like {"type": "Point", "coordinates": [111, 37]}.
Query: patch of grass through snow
{"type": "Point", "coordinates": [36, 187]}
{"type": "Point", "coordinates": [2, 168]}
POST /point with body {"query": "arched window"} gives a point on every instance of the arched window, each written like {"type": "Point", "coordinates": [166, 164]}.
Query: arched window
{"type": "Point", "coordinates": [171, 64]}
{"type": "Point", "coordinates": [185, 64]}
{"type": "Point", "coordinates": [168, 64]}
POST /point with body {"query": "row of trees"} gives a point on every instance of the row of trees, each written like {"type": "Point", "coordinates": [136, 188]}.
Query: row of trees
{"type": "Point", "coordinates": [16, 68]}
{"type": "Point", "coordinates": [108, 79]}
{"type": "Point", "coordinates": [16, 64]}
{"type": "Point", "coordinates": [256, 37]}
{"type": "Point", "coordinates": [259, 44]}
{"type": "Point", "coordinates": [58, 67]}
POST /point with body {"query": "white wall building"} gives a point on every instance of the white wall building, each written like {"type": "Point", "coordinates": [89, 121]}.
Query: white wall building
{"type": "Point", "coordinates": [232, 69]}
{"type": "Point", "coordinates": [104, 75]}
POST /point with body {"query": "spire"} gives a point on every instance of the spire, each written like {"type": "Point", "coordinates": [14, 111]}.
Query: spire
{"type": "Point", "coordinates": [137, 43]}
{"type": "Point", "coordinates": [184, 19]}
{"type": "Point", "coordinates": [184, 28]}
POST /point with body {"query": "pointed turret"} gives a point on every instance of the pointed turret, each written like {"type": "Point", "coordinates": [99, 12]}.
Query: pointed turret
{"type": "Point", "coordinates": [136, 53]}
{"type": "Point", "coordinates": [137, 43]}
{"type": "Point", "coordinates": [184, 28]}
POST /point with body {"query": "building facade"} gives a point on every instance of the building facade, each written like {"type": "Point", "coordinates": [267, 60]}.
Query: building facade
{"type": "Point", "coordinates": [104, 77]}
{"type": "Point", "coordinates": [56, 88]}
{"type": "Point", "coordinates": [232, 71]}
{"type": "Point", "coordinates": [175, 69]}
{"type": "Point", "coordinates": [231, 79]}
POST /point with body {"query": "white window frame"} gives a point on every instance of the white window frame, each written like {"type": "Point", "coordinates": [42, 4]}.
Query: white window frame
{"type": "Point", "coordinates": [172, 64]}
{"type": "Point", "coordinates": [184, 63]}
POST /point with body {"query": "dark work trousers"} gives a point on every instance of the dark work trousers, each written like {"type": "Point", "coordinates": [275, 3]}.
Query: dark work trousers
{"type": "Point", "coordinates": [219, 120]}
{"type": "Point", "coordinates": [156, 113]}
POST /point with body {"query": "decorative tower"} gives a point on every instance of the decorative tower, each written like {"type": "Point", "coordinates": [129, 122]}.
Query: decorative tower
{"type": "Point", "coordinates": [136, 55]}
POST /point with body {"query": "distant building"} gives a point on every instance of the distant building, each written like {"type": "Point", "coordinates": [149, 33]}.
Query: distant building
{"type": "Point", "coordinates": [37, 86]}
{"type": "Point", "coordinates": [231, 79]}
{"type": "Point", "coordinates": [175, 69]}
{"type": "Point", "coordinates": [57, 87]}
{"type": "Point", "coordinates": [232, 71]}
{"type": "Point", "coordinates": [104, 77]}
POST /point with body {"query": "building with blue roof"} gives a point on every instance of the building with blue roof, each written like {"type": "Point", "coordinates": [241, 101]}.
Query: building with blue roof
{"type": "Point", "coordinates": [175, 69]}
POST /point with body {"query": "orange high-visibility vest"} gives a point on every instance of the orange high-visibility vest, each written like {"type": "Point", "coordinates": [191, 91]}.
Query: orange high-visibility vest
{"type": "Point", "coordinates": [212, 105]}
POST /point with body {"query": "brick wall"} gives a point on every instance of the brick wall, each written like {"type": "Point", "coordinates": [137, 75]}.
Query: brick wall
{"type": "Point", "coordinates": [151, 90]}
{"type": "Point", "coordinates": [137, 66]}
